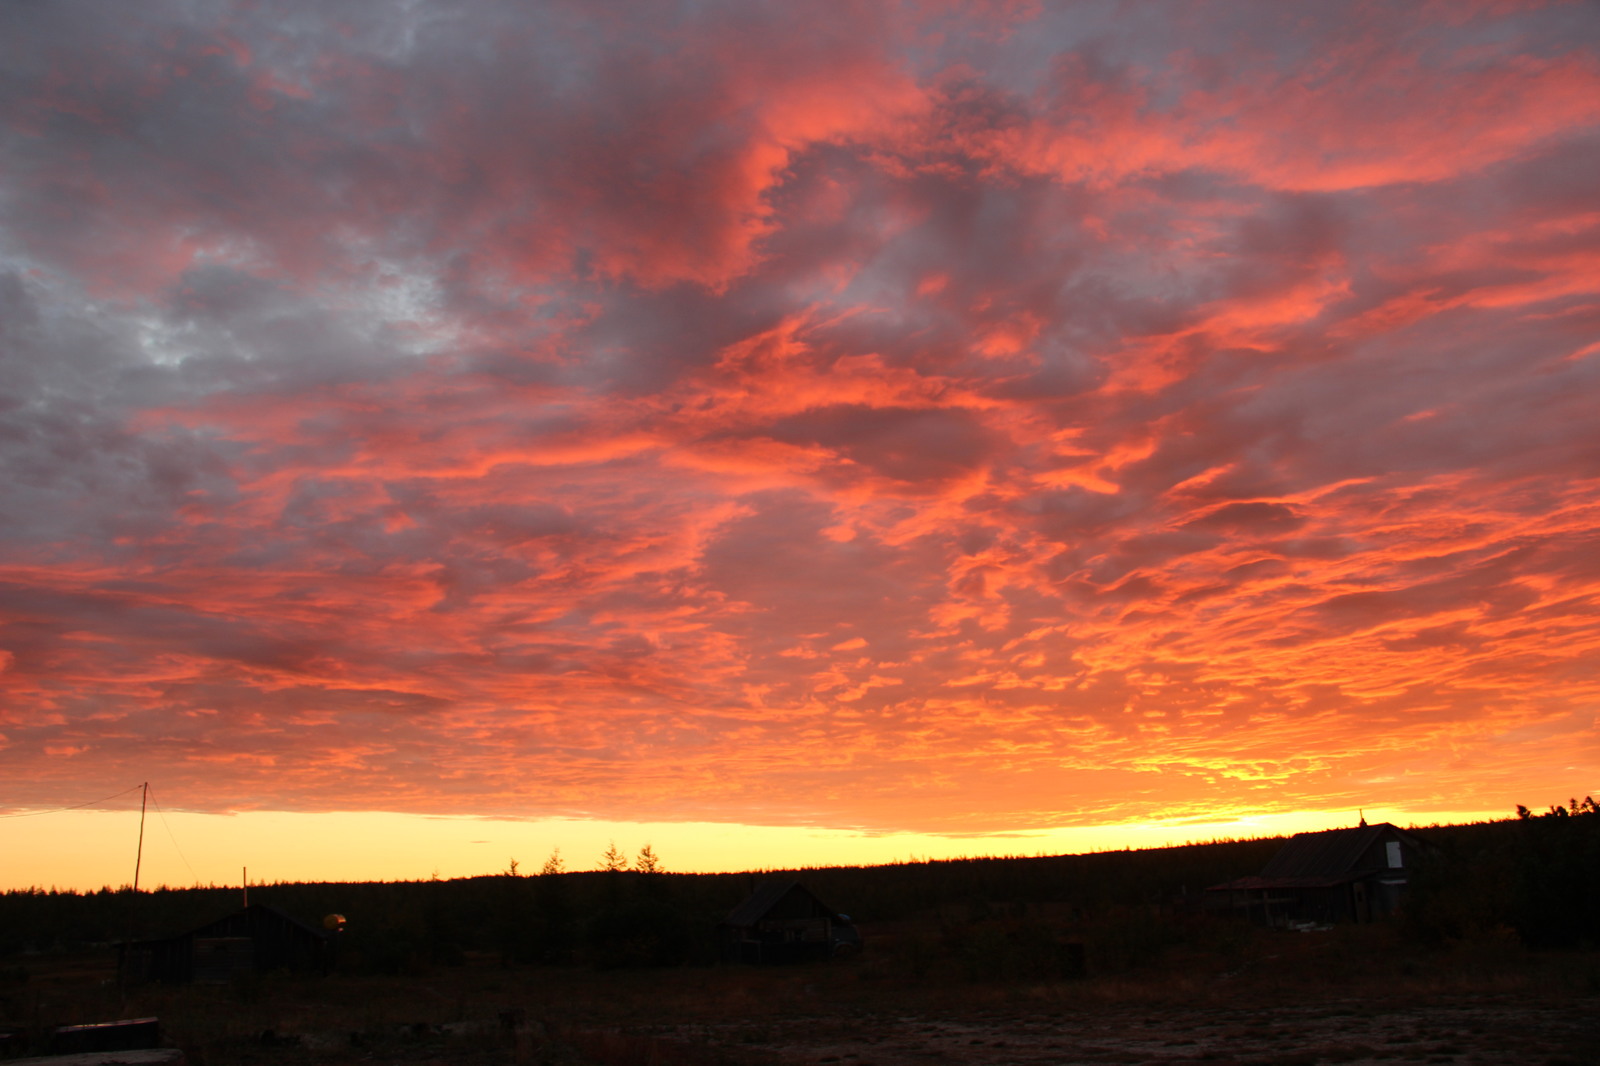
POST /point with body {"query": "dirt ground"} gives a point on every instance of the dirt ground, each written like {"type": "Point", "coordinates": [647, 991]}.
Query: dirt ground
{"type": "Point", "coordinates": [1293, 1001]}
{"type": "Point", "coordinates": [1466, 1031]}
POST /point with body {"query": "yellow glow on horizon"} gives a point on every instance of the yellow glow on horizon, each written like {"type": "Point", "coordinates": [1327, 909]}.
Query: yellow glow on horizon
{"type": "Point", "coordinates": [86, 850]}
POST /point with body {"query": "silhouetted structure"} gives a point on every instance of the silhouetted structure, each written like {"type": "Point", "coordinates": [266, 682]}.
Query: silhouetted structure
{"type": "Point", "coordinates": [783, 922]}
{"type": "Point", "coordinates": [1337, 875]}
{"type": "Point", "coordinates": [254, 940]}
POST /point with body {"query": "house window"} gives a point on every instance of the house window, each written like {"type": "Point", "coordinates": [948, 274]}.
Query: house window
{"type": "Point", "coordinates": [1393, 848]}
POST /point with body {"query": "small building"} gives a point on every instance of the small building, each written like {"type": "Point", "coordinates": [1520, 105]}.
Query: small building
{"type": "Point", "coordinates": [253, 940]}
{"type": "Point", "coordinates": [1336, 875]}
{"type": "Point", "coordinates": [783, 921]}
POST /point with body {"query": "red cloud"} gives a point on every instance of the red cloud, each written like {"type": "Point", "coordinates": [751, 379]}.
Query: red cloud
{"type": "Point", "coordinates": [948, 419]}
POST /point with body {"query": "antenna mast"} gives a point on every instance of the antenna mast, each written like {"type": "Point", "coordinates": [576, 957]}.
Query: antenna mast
{"type": "Point", "coordinates": [139, 857]}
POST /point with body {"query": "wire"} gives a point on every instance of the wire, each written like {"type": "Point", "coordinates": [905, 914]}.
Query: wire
{"type": "Point", "coordinates": [75, 806]}
{"type": "Point", "coordinates": [181, 855]}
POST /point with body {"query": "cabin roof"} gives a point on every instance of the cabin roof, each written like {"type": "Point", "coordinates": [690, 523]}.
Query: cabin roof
{"type": "Point", "coordinates": [1325, 858]}
{"type": "Point", "coordinates": [1332, 854]}
{"type": "Point", "coordinates": [263, 910]}
{"type": "Point", "coordinates": [766, 896]}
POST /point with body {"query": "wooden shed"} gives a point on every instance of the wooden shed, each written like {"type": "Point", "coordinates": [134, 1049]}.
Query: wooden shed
{"type": "Point", "coordinates": [253, 940]}
{"type": "Point", "coordinates": [783, 921]}
{"type": "Point", "coordinates": [1336, 875]}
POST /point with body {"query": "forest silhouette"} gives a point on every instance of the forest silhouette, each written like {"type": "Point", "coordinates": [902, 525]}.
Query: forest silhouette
{"type": "Point", "coordinates": [1531, 877]}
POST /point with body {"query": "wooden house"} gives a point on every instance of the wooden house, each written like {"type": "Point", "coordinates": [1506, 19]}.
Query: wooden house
{"type": "Point", "coordinates": [254, 940]}
{"type": "Point", "coordinates": [783, 922]}
{"type": "Point", "coordinates": [1336, 875]}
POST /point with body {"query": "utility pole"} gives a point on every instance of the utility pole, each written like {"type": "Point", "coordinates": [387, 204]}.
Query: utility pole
{"type": "Point", "coordinates": [139, 857]}
{"type": "Point", "coordinates": [125, 956]}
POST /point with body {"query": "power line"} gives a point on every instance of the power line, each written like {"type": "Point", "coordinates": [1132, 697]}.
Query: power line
{"type": "Point", "coordinates": [168, 827]}
{"type": "Point", "coordinates": [75, 806]}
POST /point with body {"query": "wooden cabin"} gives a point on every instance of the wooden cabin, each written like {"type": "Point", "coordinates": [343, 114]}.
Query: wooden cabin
{"type": "Point", "coordinates": [256, 939]}
{"type": "Point", "coordinates": [1332, 876]}
{"type": "Point", "coordinates": [783, 921]}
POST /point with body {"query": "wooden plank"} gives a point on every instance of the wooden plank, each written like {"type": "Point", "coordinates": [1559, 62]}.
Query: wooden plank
{"type": "Point", "coordinates": [124, 1035]}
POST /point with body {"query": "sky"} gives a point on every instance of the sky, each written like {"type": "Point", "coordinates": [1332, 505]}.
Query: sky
{"type": "Point", "coordinates": [789, 432]}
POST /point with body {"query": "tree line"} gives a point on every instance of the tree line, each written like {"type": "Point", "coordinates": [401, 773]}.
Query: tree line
{"type": "Point", "coordinates": [1532, 876]}
{"type": "Point", "coordinates": [1536, 876]}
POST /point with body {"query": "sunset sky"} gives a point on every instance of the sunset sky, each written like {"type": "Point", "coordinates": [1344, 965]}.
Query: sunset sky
{"type": "Point", "coordinates": [788, 431]}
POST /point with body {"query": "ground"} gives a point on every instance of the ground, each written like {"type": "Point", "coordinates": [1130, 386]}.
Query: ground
{"type": "Point", "coordinates": [1274, 998]}
{"type": "Point", "coordinates": [1462, 1030]}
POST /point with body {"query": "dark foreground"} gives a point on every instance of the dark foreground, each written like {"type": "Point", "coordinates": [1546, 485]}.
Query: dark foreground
{"type": "Point", "coordinates": [1348, 996]}
{"type": "Point", "coordinates": [1464, 1030]}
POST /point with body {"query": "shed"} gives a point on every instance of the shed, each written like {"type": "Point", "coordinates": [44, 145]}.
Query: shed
{"type": "Point", "coordinates": [1336, 875]}
{"type": "Point", "coordinates": [783, 921]}
{"type": "Point", "coordinates": [253, 940]}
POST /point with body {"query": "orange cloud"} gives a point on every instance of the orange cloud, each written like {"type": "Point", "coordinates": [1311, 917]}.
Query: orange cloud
{"type": "Point", "coordinates": [940, 418]}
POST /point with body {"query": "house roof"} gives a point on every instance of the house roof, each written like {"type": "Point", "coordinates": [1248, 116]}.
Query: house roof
{"type": "Point", "coordinates": [1324, 859]}
{"type": "Point", "coordinates": [254, 911]}
{"type": "Point", "coordinates": [263, 910]}
{"type": "Point", "coordinates": [766, 896]}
